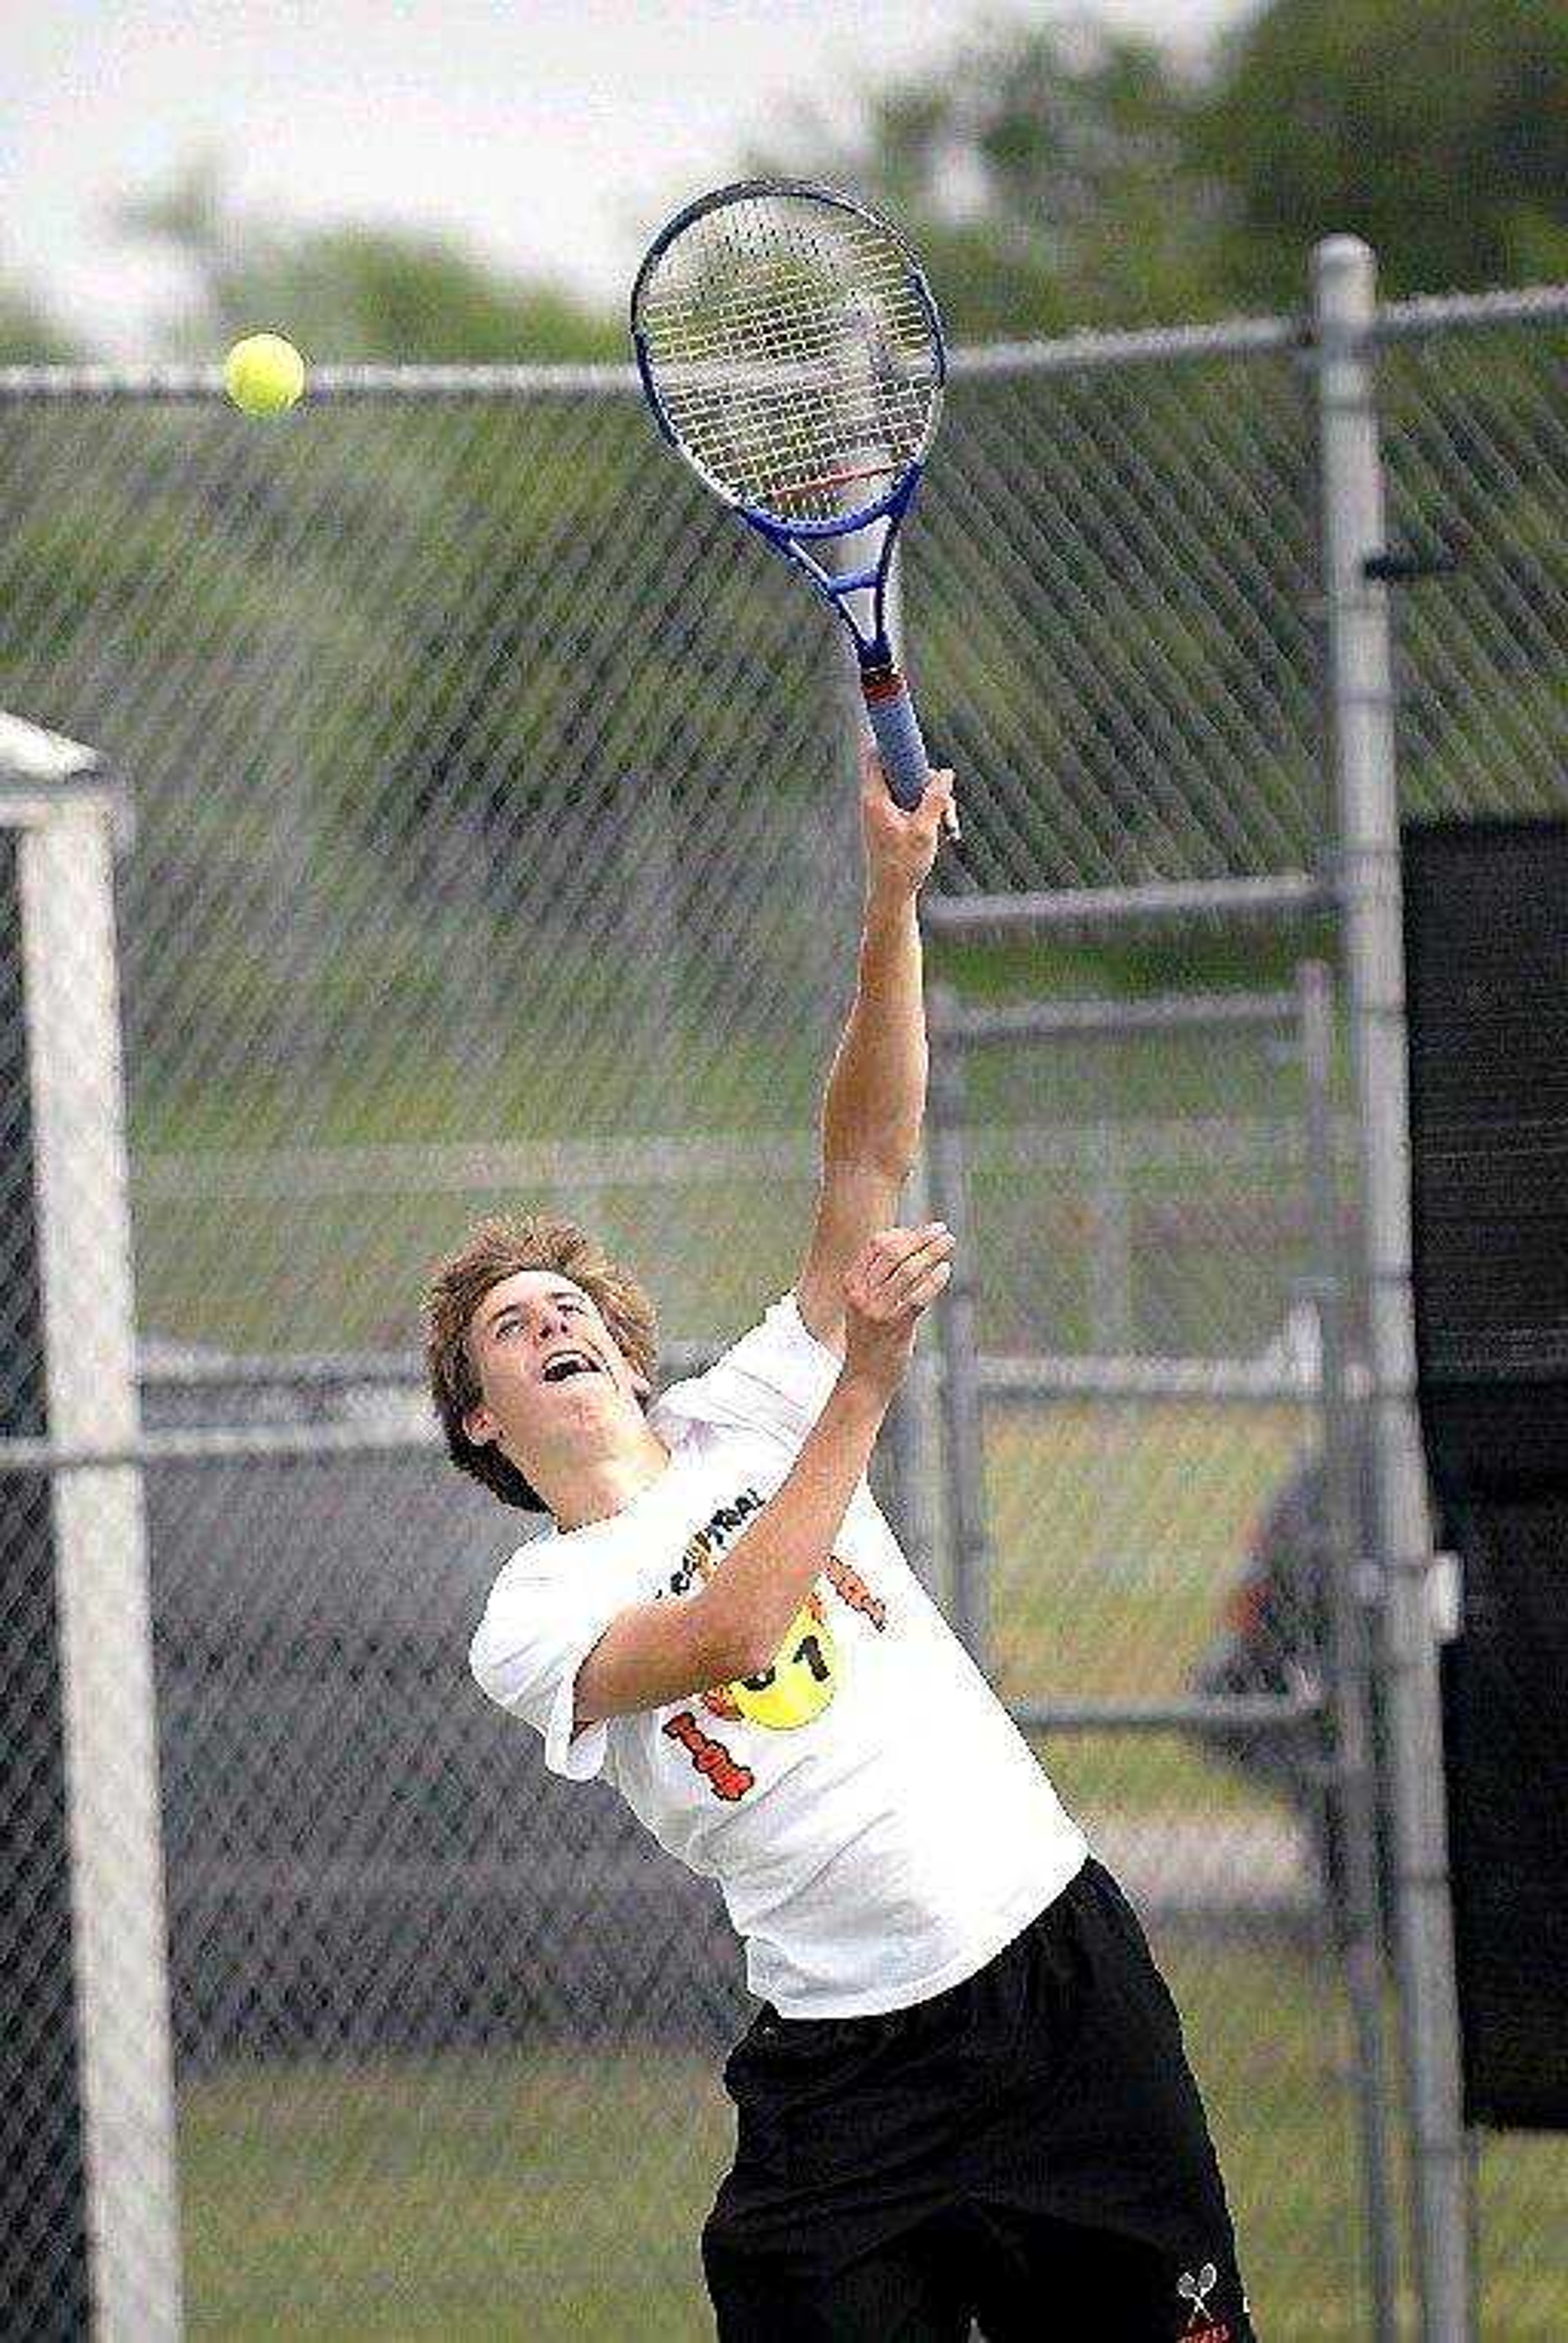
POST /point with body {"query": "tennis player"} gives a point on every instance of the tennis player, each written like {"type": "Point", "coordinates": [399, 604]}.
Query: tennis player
{"type": "Point", "coordinates": [964, 2095]}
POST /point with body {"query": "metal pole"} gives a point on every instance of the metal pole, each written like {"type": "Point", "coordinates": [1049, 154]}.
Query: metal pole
{"type": "Point", "coordinates": [1354, 1784]}
{"type": "Point", "coordinates": [1361, 680]}
{"type": "Point", "coordinates": [106, 1689]}
{"type": "Point", "coordinates": [963, 1424]}
{"type": "Point", "coordinates": [1291, 894]}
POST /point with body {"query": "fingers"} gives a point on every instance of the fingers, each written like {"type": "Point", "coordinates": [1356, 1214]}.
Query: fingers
{"type": "Point", "coordinates": [923, 1292]}
{"type": "Point", "coordinates": [890, 1249]}
{"type": "Point", "coordinates": [937, 805]}
{"type": "Point", "coordinates": [901, 1268]}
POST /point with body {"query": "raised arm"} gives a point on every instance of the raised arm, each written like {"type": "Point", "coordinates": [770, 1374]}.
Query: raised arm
{"type": "Point", "coordinates": [876, 1093]}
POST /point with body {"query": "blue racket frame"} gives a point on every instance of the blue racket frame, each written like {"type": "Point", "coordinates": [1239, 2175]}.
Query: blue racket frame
{"type": "Point", "coordinates": [889, 707]}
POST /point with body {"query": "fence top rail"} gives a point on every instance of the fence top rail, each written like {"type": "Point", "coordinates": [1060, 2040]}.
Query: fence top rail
{"type": "Point", "coordinates": [1266, 1382]}
{"type": "Point", "coordinates": [170, 1368]}
{"type": "Point", "coordinates": [204, 385]}
{"type": "Point", "coordinates": [345, 385]}
{"type": "Point", "coordinates": [300, 1443]}
{"type": "Point", "coordinates": [1068, 353]}
{"type": "Point", "coordinates": [1443, 313]}
{"type": "Point", "coordinates": [1292, 893]}
{"type": "Point", "coordinates": [1046, 1021]}
{"type": "Point", "coordinates": [1267, 1710]}
{"type": "Point", "coordinates": [460, 1166]}
{"type": "Point", "coordinates": [1143, 345]}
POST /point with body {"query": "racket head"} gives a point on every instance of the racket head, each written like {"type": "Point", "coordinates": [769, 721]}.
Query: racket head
{"type": "Point", "coordinates": [791, 350]}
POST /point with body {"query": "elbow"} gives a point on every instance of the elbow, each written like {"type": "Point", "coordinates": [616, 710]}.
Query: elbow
{"type": "Point", "coordinates": [890, 1162]}
{"type": "Point", "coordinates": [728, 1646]}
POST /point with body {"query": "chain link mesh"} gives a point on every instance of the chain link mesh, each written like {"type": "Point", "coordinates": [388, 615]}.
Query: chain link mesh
{"type": "Point", "coordinates": [432, 714]}
{"type": "Point", "coordinates": [1112, 617]}
{"type": "Point", "coordinates": [1475, 450]}
{"type": "Point", "coordinates": [493, 848]}
{"type": "Point", "coordinates": [1138, 1252]}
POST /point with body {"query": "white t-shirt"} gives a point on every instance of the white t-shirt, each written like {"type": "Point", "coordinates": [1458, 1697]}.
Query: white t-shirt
{"type": "Point", "coordinates": [876, 1823]}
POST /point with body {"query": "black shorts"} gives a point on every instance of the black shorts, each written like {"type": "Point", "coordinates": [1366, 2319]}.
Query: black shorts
{"type": "Point", "coordinates": [1027, 2149]}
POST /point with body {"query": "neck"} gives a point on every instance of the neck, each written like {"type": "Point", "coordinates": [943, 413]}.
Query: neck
{"type": "Point", "coordinates": [594, 1489]}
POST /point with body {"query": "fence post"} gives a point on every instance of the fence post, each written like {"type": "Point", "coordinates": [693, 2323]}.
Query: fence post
{"type": "Point", "coordinates": [57, 819]}
{"type": "Point", "coordinates": [1360, 682]}
{"type": "Point", "coordinates": [1354, 1786]}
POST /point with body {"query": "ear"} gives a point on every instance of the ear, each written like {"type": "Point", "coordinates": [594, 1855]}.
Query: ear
{"type": "Point", "coordinates": [480, 1426]}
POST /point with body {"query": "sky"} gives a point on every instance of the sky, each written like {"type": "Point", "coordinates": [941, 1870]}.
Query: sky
{"type": "Point", "coordinates": [550, 135]}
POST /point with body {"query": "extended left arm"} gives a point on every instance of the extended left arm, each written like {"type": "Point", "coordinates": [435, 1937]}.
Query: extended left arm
{"type": "Point", "coordinates": [876, 1093]}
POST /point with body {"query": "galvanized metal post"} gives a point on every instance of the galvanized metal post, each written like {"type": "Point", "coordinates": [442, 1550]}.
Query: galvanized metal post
{"type": "Point", "coordinates": [1354, 1786]}
{"type": "Point", "coordinates": [64, 811]}
{"type": "Point", "coordinates": [963, 1453]}
{"type": "Point", "coordinates": [1360, 682]}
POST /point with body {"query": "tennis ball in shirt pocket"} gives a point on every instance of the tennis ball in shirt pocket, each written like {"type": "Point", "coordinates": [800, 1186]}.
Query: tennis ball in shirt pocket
{"type": "Point", "coordinates": [801, 1680]}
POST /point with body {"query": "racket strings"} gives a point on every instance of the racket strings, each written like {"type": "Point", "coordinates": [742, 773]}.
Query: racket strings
{"type": "Point", "coordinates": [793, 354]}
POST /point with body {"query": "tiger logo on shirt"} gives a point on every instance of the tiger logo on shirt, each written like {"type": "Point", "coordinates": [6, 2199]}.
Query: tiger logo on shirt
{"type": "Point", "coordinates": [802, 1680]}
{"type": "Point", "coordinates": [797, 1687]}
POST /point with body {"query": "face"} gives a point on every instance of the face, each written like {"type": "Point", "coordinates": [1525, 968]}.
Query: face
{"type": "Point", "coordinates": [552, 1377]}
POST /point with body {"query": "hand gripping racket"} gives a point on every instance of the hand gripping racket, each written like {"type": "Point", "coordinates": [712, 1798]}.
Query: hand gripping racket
{"type": "Point", "coordinates": [791, 352]}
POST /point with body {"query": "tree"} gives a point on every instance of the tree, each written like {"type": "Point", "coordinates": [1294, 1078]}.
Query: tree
{"type": "Point", "coordinates": [1437, 129]}
{"type": "Point", "coordinates": [1064, 174]}
{"type": "Point", "coordinates": [29, 336]}
{"type": "Point", "coordinates": [356, 294]}
{"type": "Point", "coordinates": [1045, 174]}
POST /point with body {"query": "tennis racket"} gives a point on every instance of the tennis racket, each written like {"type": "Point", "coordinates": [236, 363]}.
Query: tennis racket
{"type": "Point", "coordinates": [791, 352]}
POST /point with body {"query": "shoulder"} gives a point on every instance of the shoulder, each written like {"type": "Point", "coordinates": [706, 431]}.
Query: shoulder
{"type": "Point", "coordinates": [533, 1559]}
{"type": "Point", "coordinates": [776, 1377]}
{"type": "Point", "coordinates": [540, 1570]}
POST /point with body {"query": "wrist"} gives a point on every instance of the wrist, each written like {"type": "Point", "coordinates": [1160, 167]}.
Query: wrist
{"type": "Point", "coordinates": [890, 901]}
{"type": "Point", "coordinates": [865, 1390]}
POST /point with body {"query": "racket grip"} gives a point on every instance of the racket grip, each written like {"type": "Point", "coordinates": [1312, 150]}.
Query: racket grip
{"type": "Point", "coordinates": [891, 714]}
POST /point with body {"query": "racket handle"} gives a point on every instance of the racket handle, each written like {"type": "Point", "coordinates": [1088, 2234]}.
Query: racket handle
{"type": "Point", "coordinates": [891, 714]}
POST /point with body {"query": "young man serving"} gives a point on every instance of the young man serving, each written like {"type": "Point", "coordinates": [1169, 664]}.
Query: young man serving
{"type": "Point", "coordinates": [964, 2095]}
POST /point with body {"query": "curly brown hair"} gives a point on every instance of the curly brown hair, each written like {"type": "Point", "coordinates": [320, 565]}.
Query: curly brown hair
{"type": "Point", "coordinates": [498, 1248]}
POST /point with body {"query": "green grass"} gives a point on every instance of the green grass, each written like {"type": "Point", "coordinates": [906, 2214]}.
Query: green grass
{"type": "Point", "coordinates": [468, 2198]}
{"type": "Point", "coordinates": [560, 2198]}
{"type": "Point", "coordinates": [230, 1256]}
{"type": "Point", "coordinates": [1119, 1532]}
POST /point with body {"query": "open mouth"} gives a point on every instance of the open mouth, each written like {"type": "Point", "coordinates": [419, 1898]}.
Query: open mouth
{"type": "Point", "coordinates": [566, 1363]}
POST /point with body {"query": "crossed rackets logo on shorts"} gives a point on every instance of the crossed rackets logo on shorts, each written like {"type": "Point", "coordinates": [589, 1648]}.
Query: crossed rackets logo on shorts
{"type": "Point", "coordinates": [1201, 2325]}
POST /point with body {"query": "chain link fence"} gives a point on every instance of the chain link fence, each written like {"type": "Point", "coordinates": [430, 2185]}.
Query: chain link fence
{"type": "Point", "coordinates": [492, 847]}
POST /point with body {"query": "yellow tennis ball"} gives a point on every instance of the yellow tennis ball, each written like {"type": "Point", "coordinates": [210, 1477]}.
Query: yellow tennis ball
{"type": "Point", "coordinates": [264, 375]}
{"type": "Point", "coordinates": [801, 1680]}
